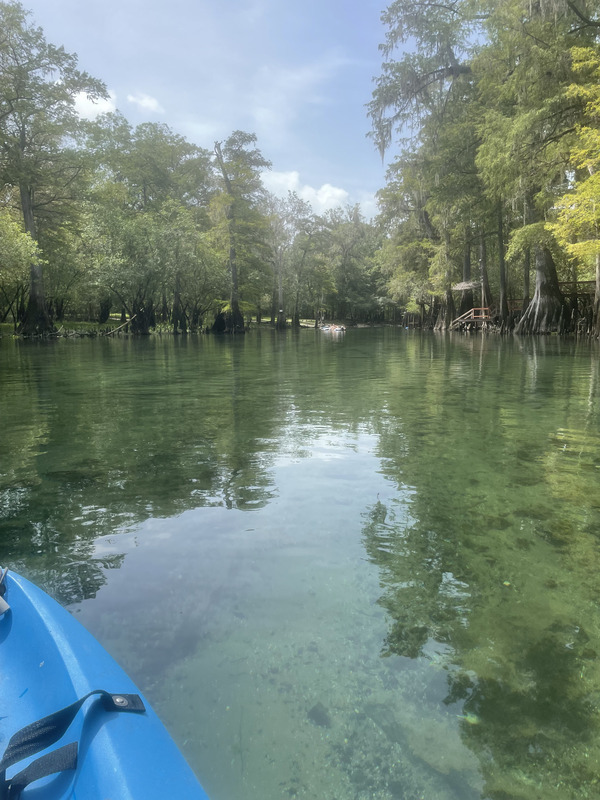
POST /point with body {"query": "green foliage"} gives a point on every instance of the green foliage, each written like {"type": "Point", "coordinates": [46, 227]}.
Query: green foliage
{"type": "Point", "coordinates": [505, 111]}
{"type": "Point", "coordinates": [527, 237]}
{"type": "Point", "coordinates": [39, 133]}
{"type": "Point", "coordinates": [351, 243]}
{"type": "Point", "coordinates": [435, 41]}
{"type": "Point", "coordinates": [292, 241]}
{"type": "Point", "coordinates": [405, 268]}
{"type": "Point", "coordinates": [39, 84]}
{"type": "Point", "coordinates": [17, 251]}
{"type": "Point", "coordinates": [238, 212]}
{"type": "Point", "coordinates": [576, 223]}
{"type": "Point", "coordinates": [140, 221]}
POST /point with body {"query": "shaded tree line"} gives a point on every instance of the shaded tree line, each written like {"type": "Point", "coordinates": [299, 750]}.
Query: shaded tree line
{"type": "Point", "coordinates": [490, 199]}
{"type": "Point", "coordinates": [103, 221]}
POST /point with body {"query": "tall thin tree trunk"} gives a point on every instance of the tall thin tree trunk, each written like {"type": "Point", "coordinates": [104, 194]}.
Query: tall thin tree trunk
{"type": "Point", "coordinates": [502, 268]}
{"type": "Point", "coordinates": [574, 299]}
{"type": "Point", "coordinates": [236, 323]}
{"type": "Point", "coordinates": [526, 262]}
{"type": "Point", "coordinates": [37, 319]}
{"type": "Point", "coordinates": [596, 320]}
{"type": "Point", "coordinates": [466, 300]}
{"type": "Point", "coordinates": [526, 280]}
{"type": "Point", "coordinates": [274, 299]}
{"type": "Point", "coordinates": [178, 316]}
{"type": "Point", "coordinates": [281, 316]}
{"type": "Point", "coordinates": [486, 293]}
{"type": "Point", "coordinates": [449, 309]}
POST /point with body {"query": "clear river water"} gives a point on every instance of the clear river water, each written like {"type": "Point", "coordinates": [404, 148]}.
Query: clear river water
{"type": "Point", "coordinates": [341, 567]}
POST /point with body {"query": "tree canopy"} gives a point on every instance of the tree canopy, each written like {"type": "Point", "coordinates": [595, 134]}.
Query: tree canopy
{"type": "Point", "coordinates": [102, 218]}
{"type": "Point", "coordinates": [492, 105]}
{"type": "Point", "coordinates": [490, 112]}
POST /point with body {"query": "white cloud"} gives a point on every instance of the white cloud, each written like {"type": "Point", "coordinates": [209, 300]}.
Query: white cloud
{"type": "Point", "coordinates": [90, 109]}
{"type": "Point", "coordinates": [322, 199]}
{"type": "Point", "coordinates": [368, 205]}
{"type": "Point", "coordinates": [280, 183]}
{"type": "Point", "coordinates": [327, 196]}
{"type": "Point", "coordinates": [146, 103]}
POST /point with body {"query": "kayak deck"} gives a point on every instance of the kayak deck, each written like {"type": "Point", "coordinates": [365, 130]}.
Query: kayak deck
{"type": "Point", "coordinates": [49, 662]}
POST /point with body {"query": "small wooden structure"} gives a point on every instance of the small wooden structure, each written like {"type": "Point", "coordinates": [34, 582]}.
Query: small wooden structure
{"type": "Point", "coordinates": [474, 317]}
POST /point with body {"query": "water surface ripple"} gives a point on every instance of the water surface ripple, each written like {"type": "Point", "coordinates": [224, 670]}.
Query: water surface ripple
{"type": "Point", "coordinates": [350, 567]}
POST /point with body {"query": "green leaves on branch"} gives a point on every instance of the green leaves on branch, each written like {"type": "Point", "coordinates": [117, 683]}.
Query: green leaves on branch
{"type": "Point", "coordinates": [504, 113]}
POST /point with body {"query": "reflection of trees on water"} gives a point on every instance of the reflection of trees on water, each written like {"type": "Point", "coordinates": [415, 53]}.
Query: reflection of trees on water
{"type": "Point", "coordinates": [525, 709]}
{"type": "Point", "coordinates": [489, 565]}
{"type": "Point", "coordinates": [74, 577]}
{"type": "Point", "coordinates": [420, 594]}
{"type": "Point", "coordinates": [101, 435]}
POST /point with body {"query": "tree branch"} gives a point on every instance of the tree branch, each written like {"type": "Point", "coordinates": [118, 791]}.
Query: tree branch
{"type": "Point", "coordinates": [591, 22]}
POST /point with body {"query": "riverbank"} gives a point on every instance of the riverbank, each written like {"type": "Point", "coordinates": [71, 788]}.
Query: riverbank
{"type": "Point", "coordinates": [78, 329]}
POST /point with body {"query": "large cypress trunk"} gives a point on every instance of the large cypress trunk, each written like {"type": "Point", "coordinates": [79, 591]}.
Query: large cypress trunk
{"type": "Point", "coordinates": [234, 320]}
{"type": "Point", "coordinates": [143, 317]}
{"type": "Point", "coordinates": [596, 319]}
{"type": "Point", "coordinates": [547, 310]}
{"type": "Point", "coordinates": [36, 319]}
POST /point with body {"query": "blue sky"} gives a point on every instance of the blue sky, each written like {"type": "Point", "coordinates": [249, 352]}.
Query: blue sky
{"type": "Point", "coordinates": [297, 73]}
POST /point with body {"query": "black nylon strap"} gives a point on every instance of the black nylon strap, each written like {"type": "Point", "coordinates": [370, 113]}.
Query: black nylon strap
{"type": "Point", "coordinates": [40, 734]}
{"type": "Point", "coordinates": [58, 760]}
{"type": "Point", "coordinates": [48, 730]}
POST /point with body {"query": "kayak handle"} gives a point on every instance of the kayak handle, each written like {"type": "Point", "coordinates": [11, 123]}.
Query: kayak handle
{"type": "Point", "coordinates": [47, 731]}
{"type": "Point", "coordinates": [4, 607]}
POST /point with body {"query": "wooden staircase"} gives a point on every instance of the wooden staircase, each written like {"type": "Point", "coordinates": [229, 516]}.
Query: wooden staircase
{"type": "Point", "coordinates": [474, 317]}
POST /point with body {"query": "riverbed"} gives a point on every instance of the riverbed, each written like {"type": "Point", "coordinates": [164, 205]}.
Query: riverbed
{"type": "Point", "coordinates": [357, 565]}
